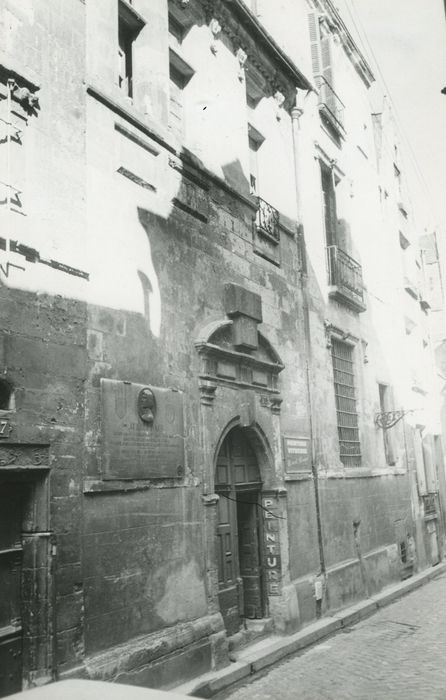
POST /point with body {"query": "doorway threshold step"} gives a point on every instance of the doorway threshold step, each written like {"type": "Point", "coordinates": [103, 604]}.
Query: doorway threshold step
{"type": "Point", "coordinates": [254, 631]}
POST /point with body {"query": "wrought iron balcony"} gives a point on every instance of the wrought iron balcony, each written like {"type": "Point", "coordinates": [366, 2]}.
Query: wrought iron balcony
{"type": "Point", "coordinates": [330, 105]}
{"type": "Point", "coordinates": [267, 220]}
{"type": "Point", "coordinates": [345, 279]}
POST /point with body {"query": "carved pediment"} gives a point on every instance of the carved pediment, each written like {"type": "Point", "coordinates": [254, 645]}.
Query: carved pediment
{"type": "Point", "coordinates": [222, 362]}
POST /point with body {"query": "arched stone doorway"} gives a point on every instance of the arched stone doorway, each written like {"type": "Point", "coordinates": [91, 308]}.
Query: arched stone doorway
{"type": "Point", "coordinates": [240, 578]}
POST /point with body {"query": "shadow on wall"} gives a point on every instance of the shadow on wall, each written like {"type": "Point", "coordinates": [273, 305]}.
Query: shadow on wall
{"type": "Point", "coordinates": [344, 238]}
{"type": "Point", "coordinates": [235, 176]}
{"type": "Point", "coordinates": [177, 246]}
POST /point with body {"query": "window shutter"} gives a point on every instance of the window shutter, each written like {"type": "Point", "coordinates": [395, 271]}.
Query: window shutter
{"type": "Point", "coordinates": [329, 197]}
{"type": "Point", "coordinates": [315, 42]}
{"type": "Point", "coordinates": [326, 62]}
{"type": "Point", "coordinates": [419, 463]}
{"type": "Point", "coordinates": [332, 218]}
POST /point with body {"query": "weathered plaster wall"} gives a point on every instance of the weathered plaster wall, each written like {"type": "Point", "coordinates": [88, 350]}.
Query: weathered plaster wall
{"type": "Point", "coordinates": [360, 494]}
{"type": "Point", "coordinates": [143, 566]}
{"type": "Point", "coordinates": [171, 262]}
{"type": "Point", "coordinates": [159, 246]}
{"type": "Point", "coordinates": [160, 228]}
{"type": "Point", "coordinates": [43, 316]}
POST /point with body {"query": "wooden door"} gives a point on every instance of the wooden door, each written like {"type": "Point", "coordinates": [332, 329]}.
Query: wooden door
{"type": "Point", "coordinates": [239, 571]}
{"type": "Point", "coordinates": [249, 553]}
{"type": "Point", "coordinates": [230, 593]}
{"type": "Point", "coordinates": [11, 554]}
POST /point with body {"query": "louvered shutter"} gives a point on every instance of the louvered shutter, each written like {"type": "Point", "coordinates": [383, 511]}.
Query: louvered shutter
{"type": "Point", "coordinates": [315, 42]}
{"type": "Point", "coordinates": [326, 59]}
{"type": "Point", "coordinates": [327, 93]}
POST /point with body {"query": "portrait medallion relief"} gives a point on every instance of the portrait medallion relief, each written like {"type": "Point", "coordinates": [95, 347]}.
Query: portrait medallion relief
{"type": "Point", "coordinates": [146, 405]}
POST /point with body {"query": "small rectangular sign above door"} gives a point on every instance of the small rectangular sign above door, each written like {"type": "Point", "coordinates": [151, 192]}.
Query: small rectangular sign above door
{"type": "Point", "coordinates": [297, 454]}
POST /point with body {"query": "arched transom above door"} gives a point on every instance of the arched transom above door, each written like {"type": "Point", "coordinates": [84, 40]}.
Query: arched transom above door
{"type": "Point", "coordinates": [237, 465]}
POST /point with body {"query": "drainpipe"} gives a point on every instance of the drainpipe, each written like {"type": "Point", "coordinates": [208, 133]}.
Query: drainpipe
{"type": "Point", "coordinates": [296, 113]}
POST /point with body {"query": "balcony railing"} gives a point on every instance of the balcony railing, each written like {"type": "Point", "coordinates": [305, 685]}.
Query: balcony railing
{"type": "Point", "coordinates": [329, 103]}
{"type": "Point", "coordinates": [267, 220]}
{"type": "Point", "coordinates": [345, 278]}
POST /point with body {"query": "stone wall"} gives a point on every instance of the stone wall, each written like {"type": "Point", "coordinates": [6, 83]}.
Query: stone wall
{"type": "Point", "coordinates": [124, 241]}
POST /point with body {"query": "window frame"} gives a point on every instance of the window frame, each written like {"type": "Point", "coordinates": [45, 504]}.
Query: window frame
{"type": "Point", "coordinates": [255, 140]}
{"type": "Point", "coordinates": [329, 203]}
{"type": "Point", "coordinates": [254, 93]}
{"type": "Point", "coordinates": [180, 73]}
{"type": "Point", "coordinates": [130, 23]}
{"type": "Point", "coordinates": [353, 459]}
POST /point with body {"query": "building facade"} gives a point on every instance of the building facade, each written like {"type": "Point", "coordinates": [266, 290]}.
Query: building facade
{"type": "Point", "coordinates": [206, 362]}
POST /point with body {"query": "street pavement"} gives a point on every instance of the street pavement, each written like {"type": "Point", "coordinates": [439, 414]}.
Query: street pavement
{"type": "Point", "coordinates": [398, 653]}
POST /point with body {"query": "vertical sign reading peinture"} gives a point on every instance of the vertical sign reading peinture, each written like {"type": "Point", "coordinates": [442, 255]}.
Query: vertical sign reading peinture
{"type": "Point", "coordinates": [271, 541]}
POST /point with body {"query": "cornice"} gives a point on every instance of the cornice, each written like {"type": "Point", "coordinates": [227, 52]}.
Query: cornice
{"type": "Point", "coordinates": [247, 33]}
{"type": "Point", "coordinates": [229, 354]}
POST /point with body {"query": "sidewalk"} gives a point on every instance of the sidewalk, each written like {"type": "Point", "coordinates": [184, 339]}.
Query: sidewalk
{"type": "Point", "coordinates": [267, 652]}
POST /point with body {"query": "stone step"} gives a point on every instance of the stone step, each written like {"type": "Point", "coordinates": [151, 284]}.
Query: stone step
{"type": "Point", "coordinates": [253, 631]}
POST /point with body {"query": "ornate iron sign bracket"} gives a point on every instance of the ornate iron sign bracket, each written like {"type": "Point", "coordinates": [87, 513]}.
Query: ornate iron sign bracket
{"type": "Point", "coordinates": [387, 419]}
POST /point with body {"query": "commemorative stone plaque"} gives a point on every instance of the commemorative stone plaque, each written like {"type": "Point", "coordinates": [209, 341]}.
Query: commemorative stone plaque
{"type": "Point", "coordinates": [142, 431]}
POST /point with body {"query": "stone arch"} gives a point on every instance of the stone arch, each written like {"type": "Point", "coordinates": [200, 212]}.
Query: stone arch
{"type": "Point", "coordinates": [258, 441]}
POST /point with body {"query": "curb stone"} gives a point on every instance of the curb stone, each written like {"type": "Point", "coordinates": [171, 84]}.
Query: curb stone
{"type": "Point", "coordinates": [267, 652]}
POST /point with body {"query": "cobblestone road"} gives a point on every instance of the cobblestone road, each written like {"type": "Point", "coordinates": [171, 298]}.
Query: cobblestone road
{"type": "Point", "coordinates": [398, 653]}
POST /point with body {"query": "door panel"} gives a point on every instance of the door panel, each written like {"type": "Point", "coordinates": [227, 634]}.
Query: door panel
{"type": "Point", "coordinates": [228, 565]}
{"type": "Point", "coordinates": [238, 554]}
{"type": "Point", "coordinates": [10, 664]}
{"type": "Point", "coordinates": [11, 514]}
{"type": "Point", "coordinates": [249, 554]}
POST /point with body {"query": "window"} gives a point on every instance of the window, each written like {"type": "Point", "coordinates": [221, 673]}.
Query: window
{"type": "Point", "coordinates": [344, 272]}
{"type": "Point", "coordinates": [129, 25]}
{"type": "Point", "coordinates": [6, 396]}
{"type": "Point", "coordinates": [176, 32]}
{"type": "Point", "coordinates": [329, 204]}
{"type": "Point", "coordinates": [176, 86]}
{"type": "Point", "coordinates": [345, 396]}
{"type": "Point", "coordinates": [330, 106]}
{"type": "Point", "coordinates": [125, 59]}
{"type": "Point", "coordinates": [180, 73]}
{"type": "Point", "coordinates": [385, 404]}
{"type": "Point", "coordinates": [255, 138]}
{"type": "Point", "coordinates": [253, 165]}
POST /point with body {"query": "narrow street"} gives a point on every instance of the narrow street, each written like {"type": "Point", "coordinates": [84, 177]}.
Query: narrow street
{"type": "Point", "coordinates": [398, 653]}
